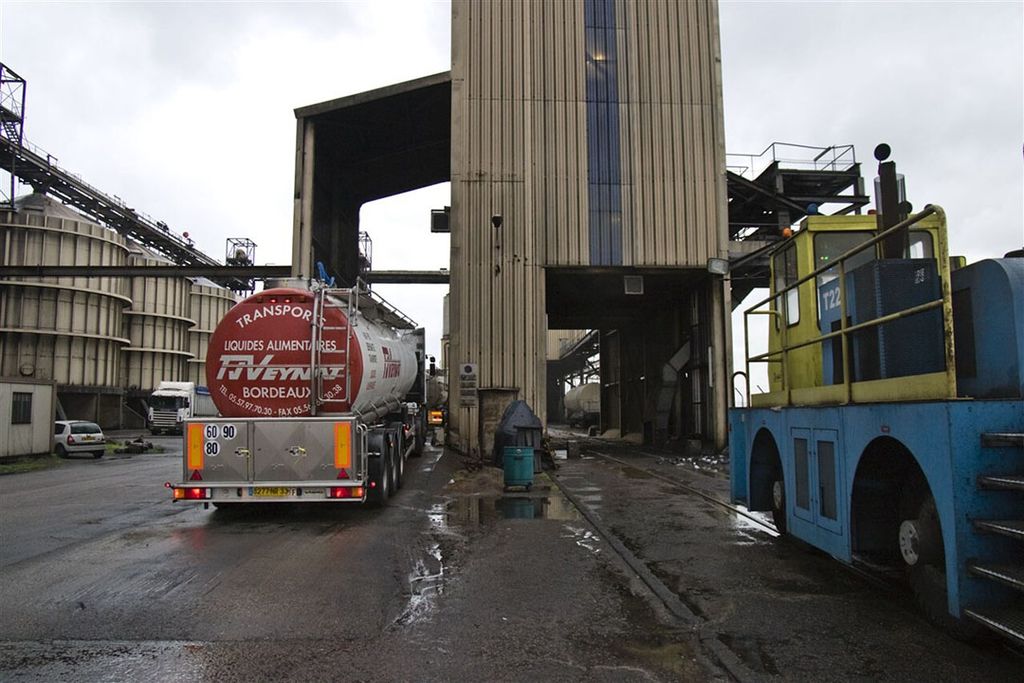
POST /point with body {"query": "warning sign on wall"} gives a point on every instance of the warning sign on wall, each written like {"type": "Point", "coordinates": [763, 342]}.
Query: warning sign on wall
{"type": "Point", "coordinates": [468, 383]}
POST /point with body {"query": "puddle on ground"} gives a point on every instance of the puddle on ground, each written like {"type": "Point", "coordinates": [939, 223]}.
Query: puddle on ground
{"type": "Point", "coordinates": [635, 473]}
{"type": "Point", "coordinates": [749, 531]}
{"type": "Point", "coordinates": [426, 584]}
{"type": "Point", "coordinates": [585, 538]}
{"type": "Point", "coordinates": [476, 510]}
{"type": "Point", "coordinates": [752, 651]}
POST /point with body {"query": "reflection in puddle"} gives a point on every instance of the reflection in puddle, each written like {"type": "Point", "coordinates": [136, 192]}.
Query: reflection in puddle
{"type": "Point", "coordinates": [584, 538]}
{"type": "Point", "coordinates": [475, 510]}
{"type": "Point", "coordinates": [749, 531]}
{"type": "Point", "coordinates": [426, 584]}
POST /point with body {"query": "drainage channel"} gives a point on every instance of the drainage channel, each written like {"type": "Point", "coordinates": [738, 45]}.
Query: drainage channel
{"type": "Point", "coordinates": [876, 576]}
{"type": "Point", "coordinates": [743, 512]}
{"type": "Point", "coordinates": [730, 661]}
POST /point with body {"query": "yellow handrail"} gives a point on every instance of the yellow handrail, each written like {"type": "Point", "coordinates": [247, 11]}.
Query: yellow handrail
{"type": "Point", "coordinates": [844, 331]}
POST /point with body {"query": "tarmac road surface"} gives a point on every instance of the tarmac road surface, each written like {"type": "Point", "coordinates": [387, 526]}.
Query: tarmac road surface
{"type": "Point", "coordinates": [103, 578]}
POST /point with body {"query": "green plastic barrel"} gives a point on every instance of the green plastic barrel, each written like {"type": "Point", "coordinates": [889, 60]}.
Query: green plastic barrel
{"type": "Point", "coordinates": [518, 463]}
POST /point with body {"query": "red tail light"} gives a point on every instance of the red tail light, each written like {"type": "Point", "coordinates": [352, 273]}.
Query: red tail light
{"type": "Point", "coordinates": [71, 440]}
{"type": "Point", "coordinates": [191, 494]}
{"type": "Point", "coordinates": [345, 492]}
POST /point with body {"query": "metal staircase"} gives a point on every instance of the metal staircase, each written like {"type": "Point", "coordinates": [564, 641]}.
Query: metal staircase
{"type": "Point", "coordinates": [1005, 619]}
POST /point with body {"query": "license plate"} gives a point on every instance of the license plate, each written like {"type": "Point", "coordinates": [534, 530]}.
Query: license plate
{"type": "Point", "coordinates": [87, 438]}
{"type": "Point", "coordinates": [272, 491]}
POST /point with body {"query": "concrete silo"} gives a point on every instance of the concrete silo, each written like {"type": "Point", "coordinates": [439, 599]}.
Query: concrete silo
{"type": "Point", "coordinates": [157, 325]}
{"type": "Point", "coordinates": [68, 330]}
{"type": "Point", "coordinates": [209, 303]}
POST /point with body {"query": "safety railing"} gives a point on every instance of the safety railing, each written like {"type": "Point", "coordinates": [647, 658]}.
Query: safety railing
{"type": "Point", "coordinates": [838, 265]}
{"type": "Point", "coordinates": [794, 156]}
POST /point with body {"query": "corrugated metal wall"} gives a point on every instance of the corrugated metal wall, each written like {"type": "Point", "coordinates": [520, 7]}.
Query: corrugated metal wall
{"type": "Point", "coordinates": [594, 128]}
{"type": "Point", "coordinates": [209, 304]}
{"type": "Point", "coordinates": [157, 325]}
{"type": "Point", "coordinates": [64, 329]}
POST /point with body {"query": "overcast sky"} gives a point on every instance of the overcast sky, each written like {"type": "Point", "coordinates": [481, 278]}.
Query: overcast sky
{"type": "Point", "coordinates": [185, 110]}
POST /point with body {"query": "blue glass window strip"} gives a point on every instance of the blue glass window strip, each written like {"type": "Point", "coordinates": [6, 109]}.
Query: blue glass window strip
{"type": "Point", "coordinates": [604, 177]}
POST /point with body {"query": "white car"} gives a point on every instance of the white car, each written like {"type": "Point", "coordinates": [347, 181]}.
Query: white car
{"type": "Point", "coordinates": [77, 436]}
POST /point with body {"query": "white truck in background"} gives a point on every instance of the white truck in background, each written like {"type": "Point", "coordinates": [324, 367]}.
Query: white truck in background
{"type": "Point", "coordinates": [174, 402]}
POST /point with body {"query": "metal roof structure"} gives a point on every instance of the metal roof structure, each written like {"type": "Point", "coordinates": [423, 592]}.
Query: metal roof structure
{"type": "Point", "coordinates": [371, 145]}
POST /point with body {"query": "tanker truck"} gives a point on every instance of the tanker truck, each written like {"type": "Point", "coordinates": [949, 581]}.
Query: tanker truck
{"type": "Point", "coordinates": [583, 405]}
{"type": "Point", "coordinates": [320, 393]}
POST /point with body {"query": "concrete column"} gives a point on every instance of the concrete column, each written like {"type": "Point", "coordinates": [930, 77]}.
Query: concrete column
{"type": "Point", "coordinates": [719, 369]}
{"type": "Point", "coordinates": [302, 233]}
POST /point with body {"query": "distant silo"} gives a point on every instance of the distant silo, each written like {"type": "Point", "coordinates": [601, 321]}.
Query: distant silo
{"type": "Point", "coordinates": [69, 330]}
{"type": "Point", "coordinates": [209, 303]}
{"type": "Point", "coordinates": [158, 325]}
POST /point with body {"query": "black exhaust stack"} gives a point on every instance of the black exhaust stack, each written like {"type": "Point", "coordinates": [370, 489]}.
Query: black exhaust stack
{"type": "Point", "coordinates": [891, 205]}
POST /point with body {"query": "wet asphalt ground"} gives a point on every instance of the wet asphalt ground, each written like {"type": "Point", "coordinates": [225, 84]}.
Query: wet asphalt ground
{"type": "Point", "coordinates": [786, 610]}
{"type": "Point", "coordinates": [103, 578]}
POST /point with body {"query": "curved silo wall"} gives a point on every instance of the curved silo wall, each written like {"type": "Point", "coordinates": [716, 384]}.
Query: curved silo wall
{"type": "Point", "coordinates": [68, 330]}
{"type": "Point", "coordinates": [157, 326]}
{"type": "Point", "coordinates": [209, 303]}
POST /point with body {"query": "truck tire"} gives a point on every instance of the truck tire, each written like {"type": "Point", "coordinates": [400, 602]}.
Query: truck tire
{"type": "Point", "coordinates": [397, 459]}
{"type": "Point", "coordinates": [420, 434]}
{"type": "Point", "coordinates": [396, 430]}
{"type": "Point", "coordinates": [923, 553]}
{"type": "Point", "coordinates": [779, 501]}
{"type": "Point", "coordinates": [380, 478]}
{"type": "Point", "coordinates": [379, 472]}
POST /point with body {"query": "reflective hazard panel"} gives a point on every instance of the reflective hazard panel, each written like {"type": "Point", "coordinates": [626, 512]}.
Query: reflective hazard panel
{"type": "Point", "coordinates": [342, 445]}
{"type": "Point", "coordinates": [195, 446]}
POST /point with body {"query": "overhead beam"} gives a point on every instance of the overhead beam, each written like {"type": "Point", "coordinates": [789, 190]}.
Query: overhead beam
{"type": "Point", "coordinates": [211, 272]}
{"type": "Point", "coordinates": [401, 277]}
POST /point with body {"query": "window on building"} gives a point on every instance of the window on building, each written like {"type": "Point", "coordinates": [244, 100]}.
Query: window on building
{"type": "Point", "coordinates": [21, 408]}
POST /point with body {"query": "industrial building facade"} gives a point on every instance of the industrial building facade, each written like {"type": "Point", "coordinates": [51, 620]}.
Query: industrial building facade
{"type": "Point", "coordinates": [594, 129]}
{"type": "Point", "coordinates": [584, 145]}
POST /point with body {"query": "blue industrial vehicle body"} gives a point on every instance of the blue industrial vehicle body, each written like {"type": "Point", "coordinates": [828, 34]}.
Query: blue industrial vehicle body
{"type": "Point", "coordinates": [988, 307]}
{"type": "Point", "coordinates": [944, 438]}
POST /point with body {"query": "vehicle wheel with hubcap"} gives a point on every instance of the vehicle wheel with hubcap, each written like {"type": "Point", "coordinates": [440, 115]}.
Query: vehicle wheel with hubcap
{"type": "Point", "coordinates": [923, 554]}
{"type": "Point", "coordinates": [61, 451]}
{"type": "Point", "coordinates": [779, 501]}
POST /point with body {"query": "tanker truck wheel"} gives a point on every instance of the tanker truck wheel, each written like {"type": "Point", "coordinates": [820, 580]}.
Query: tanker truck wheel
{"type": "Point", "coordinates": [380, 470]}
{"type": "Point", "coordinates": [420, 434]}
{"type": "Point", "coordinates": [397, 456]}
{"type": "Point", "coordinates": [380, 474]}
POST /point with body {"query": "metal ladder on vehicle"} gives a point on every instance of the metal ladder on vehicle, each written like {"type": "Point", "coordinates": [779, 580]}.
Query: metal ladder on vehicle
{"type": "Point", "coordinates": [324, 300]}
{"type": "Point", "coordinates": [1007, 620]}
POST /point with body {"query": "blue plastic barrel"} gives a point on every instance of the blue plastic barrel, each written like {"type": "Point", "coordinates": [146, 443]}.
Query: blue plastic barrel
{"type": "Point", "coordinates": [518, 463]}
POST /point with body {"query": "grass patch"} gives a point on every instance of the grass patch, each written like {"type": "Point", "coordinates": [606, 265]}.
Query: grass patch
{"type": "Point", "coordinates": [30, 464]}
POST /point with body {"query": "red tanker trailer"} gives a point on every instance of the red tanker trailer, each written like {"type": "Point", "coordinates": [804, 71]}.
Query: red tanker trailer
{"type": "Point", "coordinates": [320, 395]}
